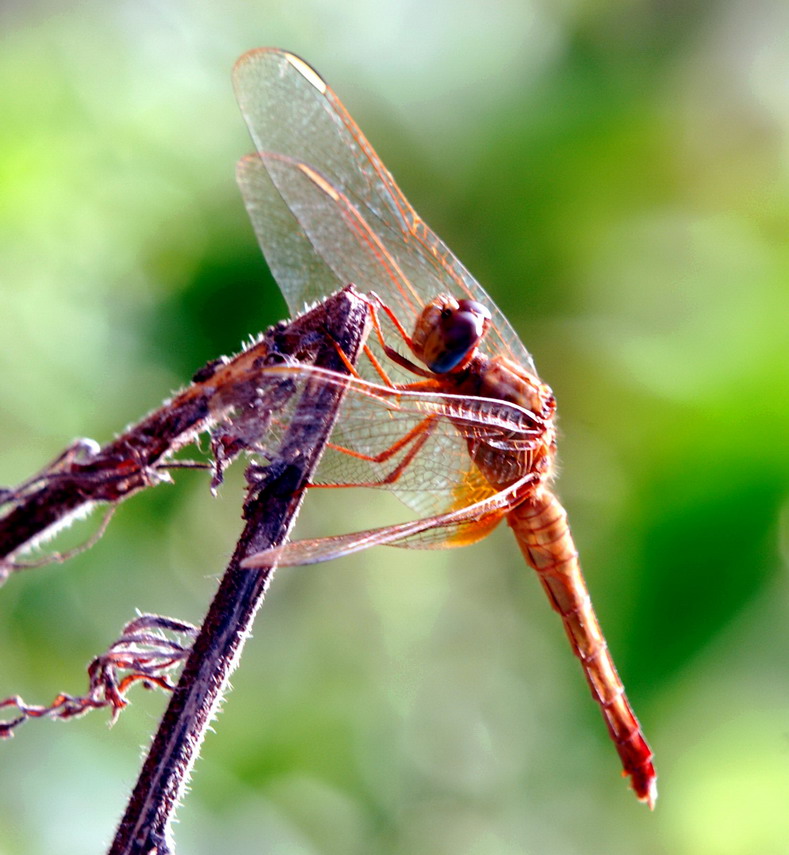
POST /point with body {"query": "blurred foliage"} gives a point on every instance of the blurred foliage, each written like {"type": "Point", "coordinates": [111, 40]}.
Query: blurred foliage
{"type": "Point", "coordinates": [617, 176]}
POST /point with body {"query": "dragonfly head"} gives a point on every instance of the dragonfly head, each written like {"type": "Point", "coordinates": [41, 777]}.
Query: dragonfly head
{"type": "Point", "coordinates": [448, 332]}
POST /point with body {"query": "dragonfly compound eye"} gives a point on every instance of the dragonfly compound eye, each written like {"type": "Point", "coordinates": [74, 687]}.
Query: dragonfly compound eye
{"type": "Point", "coordinates": [452, 338]}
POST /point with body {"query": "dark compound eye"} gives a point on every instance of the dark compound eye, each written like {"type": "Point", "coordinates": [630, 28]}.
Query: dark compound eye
{"type": "Point", "coordinates": [454, 340]}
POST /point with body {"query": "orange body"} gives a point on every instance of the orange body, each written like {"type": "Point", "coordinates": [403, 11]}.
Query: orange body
{"type": "Point", "coordinates": [540, 526]}
{"type": "Point", "coordinates": [541, 529]}
{"type": "Point", "coordinates": [470, 443]}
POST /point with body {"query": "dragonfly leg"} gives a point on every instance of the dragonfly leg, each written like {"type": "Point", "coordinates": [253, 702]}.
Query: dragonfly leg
{"type": "Point", "coordinates": [416, 437]}
{"type": "Point", "coordinates": [351, 368]}
{"type": "Point", "coordinates": [375, 303]}
{"type": "Point", "coordinates": [379, 369]}
{"type": "Point", "coordinates": [429, 385]}
{"type": "Point", "coordinates": [375, 362]}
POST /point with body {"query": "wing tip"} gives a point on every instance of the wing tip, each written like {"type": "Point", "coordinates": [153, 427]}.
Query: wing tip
{"type": "Point", "coordinates": [296, 62]}
{"type": "Point", "coordinates": [250, 56]}
{"type": "Point", "coordinates": [307, 72]}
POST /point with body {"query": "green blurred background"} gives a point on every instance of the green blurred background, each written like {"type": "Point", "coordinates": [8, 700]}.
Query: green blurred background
{"type": "Point", "coordinates": [616, 174]}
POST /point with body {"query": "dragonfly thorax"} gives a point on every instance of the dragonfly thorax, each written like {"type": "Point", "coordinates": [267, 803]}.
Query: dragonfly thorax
{"type": "Point", "coordinates": [498, 378]}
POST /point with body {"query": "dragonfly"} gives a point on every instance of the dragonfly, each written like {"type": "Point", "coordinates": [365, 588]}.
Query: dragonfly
{"type": "Point", "coordinates": [448, 412]}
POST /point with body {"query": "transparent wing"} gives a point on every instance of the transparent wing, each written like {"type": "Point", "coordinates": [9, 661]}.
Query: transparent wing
{"type": "Point", "coordinates": [415, 444]}
{"type": "Point", "coordinates": [455, 528]}
{"type": "Point", "coordinates": [326, 210]}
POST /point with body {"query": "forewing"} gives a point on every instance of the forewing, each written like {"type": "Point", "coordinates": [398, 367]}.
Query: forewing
{"type": "Point", "coordinates": [302, 131]}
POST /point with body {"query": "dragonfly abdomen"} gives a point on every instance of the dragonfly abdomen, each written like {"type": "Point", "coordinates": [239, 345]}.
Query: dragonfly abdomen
{"type": "Point", "coordinates": [540, 526]}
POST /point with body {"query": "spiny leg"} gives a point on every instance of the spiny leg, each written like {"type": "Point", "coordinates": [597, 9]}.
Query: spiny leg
{"type": "Point", "coordinates": [416, 437]}
{"type": "Point", "coordinates": [375, 304]}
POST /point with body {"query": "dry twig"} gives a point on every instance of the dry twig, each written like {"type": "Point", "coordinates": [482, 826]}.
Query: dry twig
{"type": "Point", "coordinates": [235, 400]}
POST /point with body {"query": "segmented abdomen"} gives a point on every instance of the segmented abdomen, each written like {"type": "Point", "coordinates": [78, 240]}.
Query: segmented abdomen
{"type": "Point", "coordinates": [540, 526]}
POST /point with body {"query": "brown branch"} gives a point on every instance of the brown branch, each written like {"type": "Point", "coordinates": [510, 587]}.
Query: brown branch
{"type": "Point", "coordinates": [273, 500]}
{"type": "Point", "coordinates": [225, 393]}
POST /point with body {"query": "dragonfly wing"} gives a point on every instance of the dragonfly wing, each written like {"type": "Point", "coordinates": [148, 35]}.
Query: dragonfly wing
{"type": "Point", "coordinates": [328, 242]}
{"type": "Point", "coordinates": [302, 275]}
{"type": "Point", "coordinates": [435, 473]}
{"type": "Point", "coordinates": [456, 528]}
{"type": "Point", "coordinates": [293, 114]}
